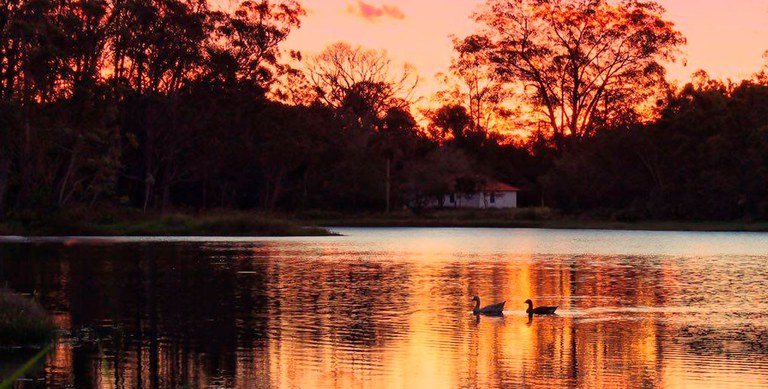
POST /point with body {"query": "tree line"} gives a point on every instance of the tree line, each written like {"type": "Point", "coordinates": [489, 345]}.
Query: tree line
{"type": "Point", "coordinates": [163, 104]}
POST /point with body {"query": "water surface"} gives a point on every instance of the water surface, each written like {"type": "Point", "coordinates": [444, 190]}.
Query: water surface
{"type": "Point", "coordinates": [389, 308]}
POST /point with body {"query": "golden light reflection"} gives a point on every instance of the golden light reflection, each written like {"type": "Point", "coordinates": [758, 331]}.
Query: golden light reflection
{"type": "Point", "coordinates": [309, 315]}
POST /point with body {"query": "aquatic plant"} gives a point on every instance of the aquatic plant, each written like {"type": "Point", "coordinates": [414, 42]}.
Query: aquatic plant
{"type": "Point", "coordinates": [23, 322]}
{"type": "Point", "coordinates": [25, 368]}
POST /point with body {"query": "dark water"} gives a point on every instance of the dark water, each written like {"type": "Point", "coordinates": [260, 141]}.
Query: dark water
{"type": "Point", "coordinates": [389, 308]}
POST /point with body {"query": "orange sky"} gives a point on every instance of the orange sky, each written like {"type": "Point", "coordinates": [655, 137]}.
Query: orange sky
{"type": "Point", "coordinates": [725, 38]}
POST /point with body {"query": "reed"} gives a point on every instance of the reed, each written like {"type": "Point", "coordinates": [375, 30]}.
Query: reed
{"type": "Point", "coordinates": [7, 383]}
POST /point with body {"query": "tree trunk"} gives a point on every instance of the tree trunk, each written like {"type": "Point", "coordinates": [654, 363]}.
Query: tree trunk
{"type": "Point", "coordinates": [305, 189]}
{"type": "Point", "coordinates": [277, 191]}
{"type": "Point", "coordinates": [5, 167]}
{"type": "Point", "coordinates": [389, 163]}
{"type": "Point", "coordinates": [25, 166]}
{"type": "Point", "coordinates": [149, 183]}
{"type": "Point", "coordinates": [71, 167]}
{"type": "Point", "coordinates": [166, 197]}
{"type": "Point", "coordinates": [274, 188]}
{"type": "Point", "coordinates": [204, 204]}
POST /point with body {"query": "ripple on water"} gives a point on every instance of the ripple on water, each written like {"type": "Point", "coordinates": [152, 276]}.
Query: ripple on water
{"type": "Point", "coordinates": [383, 308]}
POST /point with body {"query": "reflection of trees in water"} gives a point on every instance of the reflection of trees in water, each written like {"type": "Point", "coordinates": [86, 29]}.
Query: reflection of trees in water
{"type": "Point", "coordinates": [610, 282]}
{"type": "Point", "coordinates": [564, 350]}
{"type": "Point", "coordinates": [341, 303]}
{"type": "Point", "coordinates": [616, 281]}
{"type": "Point", "coordinates": [156, 316]}
{"type": "Point", "coordinates": [743, 340]}
{"type": "Point", "coordinates": [270, 314]}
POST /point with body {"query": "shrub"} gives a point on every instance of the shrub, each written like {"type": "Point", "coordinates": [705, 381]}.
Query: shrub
{"type": "Point", "coordinates": [23, 322]}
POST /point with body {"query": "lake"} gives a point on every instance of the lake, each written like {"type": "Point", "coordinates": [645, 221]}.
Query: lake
{"type": "Point", "coordinates": [390, 308]}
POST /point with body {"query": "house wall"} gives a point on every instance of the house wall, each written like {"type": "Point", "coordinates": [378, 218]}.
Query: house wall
{"type": "Point", "coordinates": [503, 200]}
{"type": "Point", "coordinates": [482, 200]}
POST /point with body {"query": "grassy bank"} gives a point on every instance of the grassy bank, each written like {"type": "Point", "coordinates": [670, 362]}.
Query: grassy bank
{"type": "Point", "coordinates": [23, 322]}
{"type": "Point", "coordinates": [134, 223]}
{"type": "Point", "coordinates": [129, 222]}
{"type": "Point", "coordinates": [432, 218]}
{"type": "Point", "coordinates": [517, 218]}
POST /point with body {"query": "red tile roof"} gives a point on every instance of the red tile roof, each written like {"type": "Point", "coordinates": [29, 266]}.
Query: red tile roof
{"type": "Point", "coordinates": [496, 186]}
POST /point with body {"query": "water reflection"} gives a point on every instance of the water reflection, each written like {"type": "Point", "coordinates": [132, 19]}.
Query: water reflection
{"type": "Point", "coordinates": [360, 312]}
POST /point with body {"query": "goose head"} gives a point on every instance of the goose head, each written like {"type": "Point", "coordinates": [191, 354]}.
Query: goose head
{"type": "Point", "coordinates": [529, 302]}
{"type": "Point", "coordinates": [476, 300]}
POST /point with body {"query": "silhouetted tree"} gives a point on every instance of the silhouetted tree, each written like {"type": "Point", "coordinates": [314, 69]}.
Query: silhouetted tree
{"type": "Point", "coordinates": [157, 104]}
{"type": "Point", "coordinates": [473, 84]}
{"type": "Point", "coordinates": [348, 76]}
{"type": "Point", "coordinates": [431, 177]}
{"type": "Point", "coordinates": [580, 62]}
{"type": "Point", "coordinates": [703, 159]}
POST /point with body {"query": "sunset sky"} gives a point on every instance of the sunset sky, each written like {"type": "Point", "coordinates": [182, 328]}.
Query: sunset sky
{"type": "Point", "coordinates": [725, 38]}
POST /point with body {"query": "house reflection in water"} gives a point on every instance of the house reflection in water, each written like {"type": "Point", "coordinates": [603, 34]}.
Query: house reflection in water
{"type": "Point", "coordinates": [292, 314]}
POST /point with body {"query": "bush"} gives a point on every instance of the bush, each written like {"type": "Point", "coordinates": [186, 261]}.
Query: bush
{"type": "Point", "coordinates": [533, 213]}
{"type": "Point", "coordinates": [23, 322]}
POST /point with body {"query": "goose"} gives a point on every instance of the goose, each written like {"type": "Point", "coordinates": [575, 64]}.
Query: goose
{"type": "Point", "coordinates": [538, 310]}
{"type": "Point", "coordinates": [493, 309]}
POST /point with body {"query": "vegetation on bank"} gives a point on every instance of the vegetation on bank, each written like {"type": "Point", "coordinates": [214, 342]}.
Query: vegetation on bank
{"type": "Point", "coordinates": [241, 223]}
{"type": "Point", "coordinates": [520, 217]}
{"type": "Point", "coordinates": [134, 223]}
{"type": "Point", "coordinates": [23, 322]}
{"type": "Point", "coordinates": [538, 217]}
{"type": "Point", "coordinates": [201, 108]}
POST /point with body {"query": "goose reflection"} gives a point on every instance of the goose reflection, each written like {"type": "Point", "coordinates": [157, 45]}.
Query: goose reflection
{"type": "Point", "coordinates": [496, 317]}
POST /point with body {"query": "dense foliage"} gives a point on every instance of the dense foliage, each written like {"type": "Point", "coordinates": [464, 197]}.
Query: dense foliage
{"type": "Point", "coordinates": [583, 63]}
{"type": "Point", "coordinates": [163, 104]}
{"type": "Point", "coordinates": [705, 158]}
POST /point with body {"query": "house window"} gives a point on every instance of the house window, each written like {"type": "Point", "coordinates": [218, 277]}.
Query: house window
{"type": "Point", "coordinates": [493, 197]}
{"type": "Point", "coordinates": [452, 198]}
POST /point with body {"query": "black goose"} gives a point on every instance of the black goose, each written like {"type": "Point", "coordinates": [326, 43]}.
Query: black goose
{"type": "Point", "coordinates": [538, 310]}
{"type": "Point", "coordinates": [493, 309]}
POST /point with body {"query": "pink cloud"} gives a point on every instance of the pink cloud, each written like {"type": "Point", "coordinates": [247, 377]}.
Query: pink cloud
{"type": "Point", "coordinates": [372, 13]}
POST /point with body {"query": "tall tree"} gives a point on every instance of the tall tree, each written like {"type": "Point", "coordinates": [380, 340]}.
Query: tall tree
{"type": "Point", "coordinates": [473, 84]}
{"type": "Point", "coordinates": [10, 63]}
{"type": "Point", "coordinates": [248, 39]}
{"type": "Point", "coordinates": [88, 142]}
{"type": "Point", "coordinates": [579, 62]}
{"type": "Point", "coordinates": [371, 98]}
{"type": "Point", "coordinates": [360, 79]}
{"type": "Point", "coordinates": [30, 73]}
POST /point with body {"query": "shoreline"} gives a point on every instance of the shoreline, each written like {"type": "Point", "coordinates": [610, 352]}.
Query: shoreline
{"type": "Point", "coordinates": [562, 225]}
{"type": "Point", "coordinates": [224, 223]}
{"type": "Point", "coordinates": [523, 218]}
{"type": "Point", "coordinates": [227, 223]}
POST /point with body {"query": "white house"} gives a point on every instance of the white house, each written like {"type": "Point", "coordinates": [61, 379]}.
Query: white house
{"type": "Point", "coordinates": [493, 195]}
